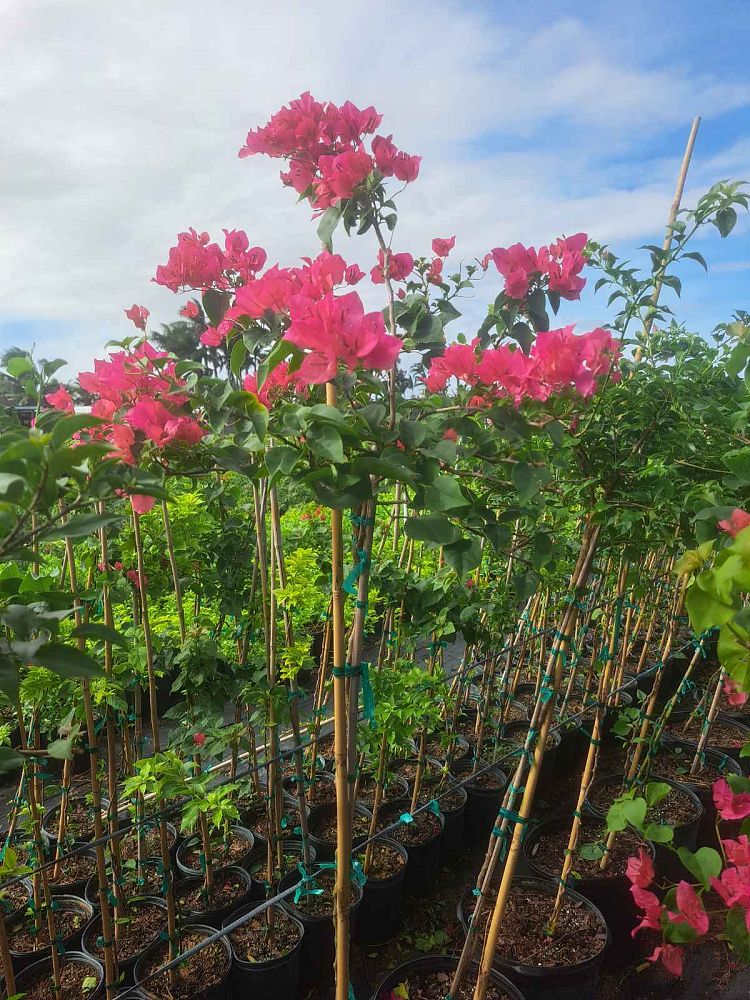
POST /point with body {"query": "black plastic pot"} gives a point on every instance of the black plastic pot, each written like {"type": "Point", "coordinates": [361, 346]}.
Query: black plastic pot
{"type": "Point", "coordinates": [379, 915]}
{"type": "Point", "coordinates": [667, 863]}
{"type": "Point", "coordinates": [290, 805]}
{"type": "Point", "coordinates": [78, 887]}
{"type": "Point", "coordinates": [215, 917]}
{"type": "Point", "coordinates": [438, 963]}
{"type": "Point", "coordinates": [574, 982]}
{"type": "Point", "coordinates": [51, 817]}
{"type": "Point", "coordinates": [42, 971]}
{"type": "Point", "coordinates": [192, 842]}
{"type": "Point", "coordinates": [483, 804]}
{"type": "Point", "coordinates": [611, 895]}
{"type": "Point", "coordinates": [257, 861]}
{"type": "Point", "coordinates": [726, 751]}
{"type": "Point", "coordinates": [217, 991]}
{"type": "Point", "coordinates": [520, 714]}
{"type": "Point", "coordinates": [172, 835]}
{"type": "Point", "coordinates": [423, 866]}
{"type": "Point", "coordinates": [277, 979]}
{"type": "Point", "coordinates": [318, 950]}
{"type": "Point", "coordinates": [93, 930]}
{"type": "Point", "coordinates": [452, 842]}
{"type": "Point", "coordinates": [326, 849]}
{"type": "Point", "coordinates": [91, 892]}
{"type": "Point", "coordinates": [22, 959]}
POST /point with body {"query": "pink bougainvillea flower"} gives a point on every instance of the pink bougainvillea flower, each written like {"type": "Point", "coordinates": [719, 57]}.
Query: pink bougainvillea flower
{"type": "Point", "coordinates": [690, 909]}
{"type": "Point", "coordinates": [278, 382]}
{"type": "Point", "coordinates": [400, 266]}
{"type": "Point", "coordinates": [337, 331]}
{"type": "Point", "coordinates": [728, 804]}
{"type": "Point", "coordinates": [271, 292]}
{"type": "Point", "coordinates": [141, 505]}
{"type": "Point", "coordinates": [517, 264]}
{"type": "Point", "coordinates": [640, 870]}
{"type": "Point", "coordinates": [511, 373]}
{"type": "Point", "coordinates": [652, 909]}
{"type": "Point", "coordinates": [353, 274]}
{"type": "Point", "coordinates": [450, 434]}
{"type": "Point", "coordinates": [457, 361]}
{"type": "Point", "coordinates": [442, 247]}
{"type": "Point", "coordinates": [190, 310]}
{"type": "Point", "coordinates": [193, 263]}
{"type": "Point", "coordinates": [149, 416]}
{"type": "Point", "coordinates": [734, 695]}
{"type": "Point", "coordinates": [671, 956]}
{"type": "Point", "coordinates": [183, 430]}
{"type": "Point", "coordinates": [138, 316]}
{"type": "Point", "coordinates": [199, 739]}
{"type": "Point", "coordinates": [435, 271]}
{"type": "Point", "coordinates": [211, 337]}
{"type": "Point", "coordinates": [736, 521]}
{"type": "Point", "coordinates": [60, 399]}
{"type": "Point", "coordinates": [733, 885]}
{"type": "Point", "coordinates": [562, 262]}
{"type": "Point", "coordinates": [391, 162]}
{"type": "Point", "coordinates": [737, 851]}
{"type": "Point", "coordinates": [123, 439]}
{"type": "Point", "coordinates": [340, 175]}
{"type": "Point", "coordinates": [319, 276]}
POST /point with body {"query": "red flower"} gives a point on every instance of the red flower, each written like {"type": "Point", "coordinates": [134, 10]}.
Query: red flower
{"type": "Point", "coordinates": [736, 521]}
{"type": "Point", "coordinates": [60, 399]}
{"type": "Point", "coordinates": [199, 739]}
{"type": "Point", "coordinates": [517, 264]}
{"type": "Point", "coordinates": [138, 315]}
{"type": "Point", "coordinates": [190, 310]}
{"type": "Point", "coordinates": [118, 565]}
{"type": "Point", "coordinates": [442, 247]}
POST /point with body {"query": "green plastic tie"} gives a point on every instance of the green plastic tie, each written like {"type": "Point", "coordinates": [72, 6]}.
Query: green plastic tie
{"type": "Point", "coordinates": [406, 818]}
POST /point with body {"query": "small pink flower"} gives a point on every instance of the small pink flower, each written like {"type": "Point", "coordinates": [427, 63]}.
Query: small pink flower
{"type": "Point", "coordinates": [738, 851]}
{"type": "Point", "coordinates": [671, 956]}
{"type": "Point", "coordinates": [652, 909]}
{"type": "Point", "coordinates": [690, 909]}
{"type": "Point", "coordinates": [142, 504]}
{"type": "Point", "coordinates": [733, 694]}
{"type": "Point", "coordinates": [450, 434]}
{"type": "Point", "coordinates": [640, 870]}
{"type": "Point", "coordinates": [729, 805]}
{"type": "Point", "coordinates": [138, 316]}
{"type": "Point", "coordinates": [60, 399]}
{"type": "Point", "coordinates": [190, 310]}
{"type": "Point", "coordinates": [353, 274]}
{"type": "Point", "coordinates": [442, 247]}
{"type": "Point", "coordinates": [736, 521]}
{"type": "Point", "coordinates": [118, 565]}
{"type": "Point", "coordinates": [435, 271]}
{"type": "Point", "coordinates": [199, 739]}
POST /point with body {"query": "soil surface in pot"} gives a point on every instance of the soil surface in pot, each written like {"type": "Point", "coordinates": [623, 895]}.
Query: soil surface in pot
{"type": "Point", "coordinates": [80, 866]}
{"type": "Point", "coordinates": [425, 827]}
{"type": "Point", "coordinates": [324, 747]}
{"type": "Point", "coordinates": [366, 791]}
{"type": "Point", "coordinates": [512, 713]}
{"type": "Point", "coordinates": [385, 862]}
{"type": "Point", "coordinates": [223, 852]}
{"type": "Point", "coordinates": [258, 869]}
{"type": "Point", "coordinates": [408, 770]}
{"type": "Point", "coordinates": [254, 942]}
{"type": "Point", "coordinates": [289, 820]}
{"type": "Point", "coordinates": [321, 792]}
{"type": "Point", "coordinates": [140, 928]}
{"type": "Point", "coordinates": [448, 799]}
{"type": "Point", "coordinates": [435, 986]}
{"type": "Point", "coordinates": [227, 887]}
{"type": "Point", "coordinates": [193, 976]}
{"type": "Point", "coordinates": [325, 830]}
{"type": "Point", "coordinates": [578, 937]}
{"type": "Point", "coordinates": [488, 781]}
{"type": "Point", "coordinates": [79, 820]}
{"type": "Point", "coordinates": [72, 977]}
{"type": "Point", "coordinates": [22, 936]}
{"type": "Point", "coordinates": [721, 734]}
{"type": "Point", "coordinates": [676, 809]}
{"type": "Point", "coordinates": [677, 767]}
{"type": "Point", "coordinates": [150, 844]}
{"type": "Point", "coordinates": [549, 852]}
{"type": "Point", "coordinates": [322, 905]}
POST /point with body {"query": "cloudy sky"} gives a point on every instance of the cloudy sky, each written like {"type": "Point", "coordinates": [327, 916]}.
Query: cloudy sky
{"type": "Point", "coordinates": [122, 121]}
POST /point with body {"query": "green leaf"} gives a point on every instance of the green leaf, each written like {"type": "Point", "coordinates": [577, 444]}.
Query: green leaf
{"type": "Point", "coordinates": [19, 366]}
{"type": "Point", "coordinates": [704, 864]}
{"type": "Point", "coordinates": [238, 356]}
{"type": "Point", "coordinates": [102, 633]}
{"type": "Point", "coordinates": [66, 426]}
{"type": "Point", "coordinates": [737, 933]}
{"type": "Point", "coordinates": [325, 441]}
{"type": "Point", "coordinates": [432, 528]}
{"type": "Point", "coordinates": [444, 494]}
{"type": "Point", "coordinates": [463, 556]}
{"type": "Point", "coordinates": [659, 833]}
{"type": "Point", "coordinates": [67, 661]}
{"type": "Point", "coordinates": [656, 791]}
{"type": "Point", "coordinates": [61, 749]}
{"type": "Point", "coordinates": [281, 351]}
{"type": "Point", "coordinates": [280, 461]}
{"type": "Point", "coordinates": [725, 221]}
{"type": "Point", "coordinates": [327, 225]}
{"type": "Point", "coordinates": [81, 525]}
{"type": "Point", "coordinates": [9, 759]}
{"type": "Point", "coordinates": [11, 487]}
{"type": "Point", "coordinates": [215, 304]}
{"type": "Point", "coordinates": [529, 479]}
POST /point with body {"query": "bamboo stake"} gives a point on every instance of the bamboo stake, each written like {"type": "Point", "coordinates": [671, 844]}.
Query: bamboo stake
{"type": "Point", "coordinates": [175, 572]}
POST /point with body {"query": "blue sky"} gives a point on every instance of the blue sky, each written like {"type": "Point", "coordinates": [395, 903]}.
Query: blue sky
{"type": "Point", "coordinates": [532, 120]}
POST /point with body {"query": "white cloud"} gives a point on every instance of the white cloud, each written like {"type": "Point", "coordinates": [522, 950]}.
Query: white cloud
{"type": "Point", "coordinates": [122, 122]}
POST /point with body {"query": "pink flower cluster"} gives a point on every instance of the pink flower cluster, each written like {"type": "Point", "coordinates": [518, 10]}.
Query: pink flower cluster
{"type": "Point", "coordinates": [736, 521]}
{"type": "Point", "coordinates": [558, 360]}
{"type": "Point", "coordinates": [690, 910]}
{"type": "Point", "coordinates": [332, 330]}
{"type": "Point", "coordinates": [400, 266]}
{"type": "Point", "coordinates": [560, 263]}
{"type": "Point", "coordinates": [323, 144]}
{"type": "Point", "coordinates": [195, 262]}
{"type": "Point", "coordinates": [139, 398]}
